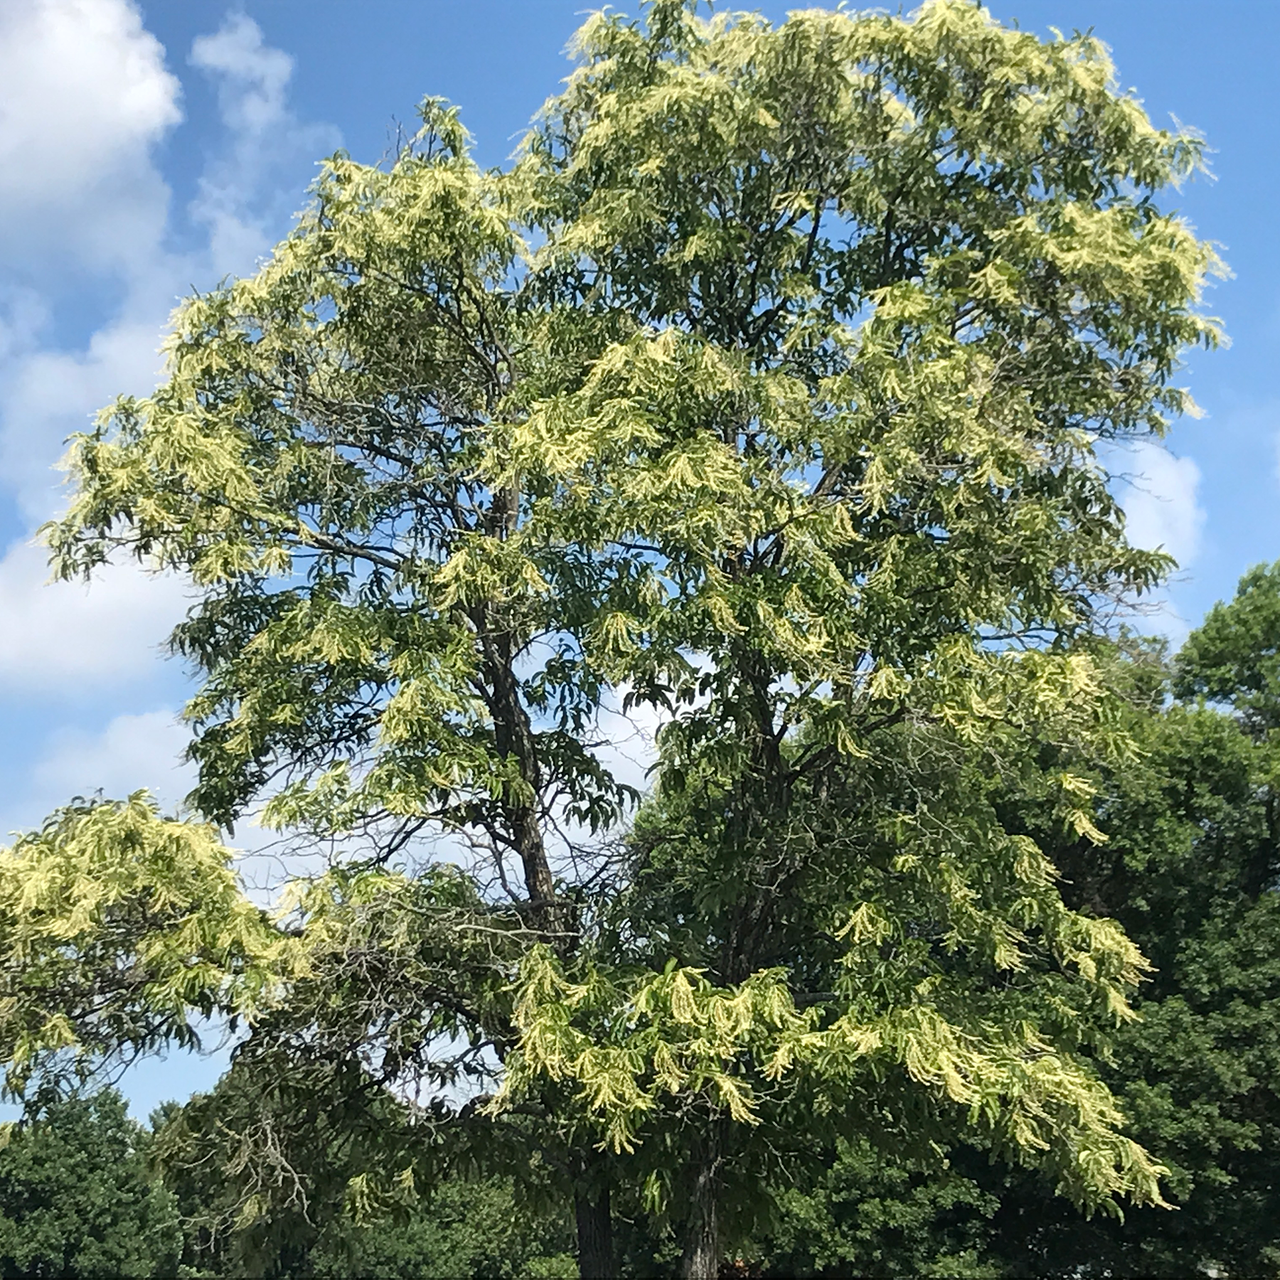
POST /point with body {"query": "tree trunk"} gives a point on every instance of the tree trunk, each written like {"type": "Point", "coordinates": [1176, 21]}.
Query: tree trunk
{"type": "Point", "coordinates": [514, 738]}
{"type": "Point", "coordinates": [595, 1234]}
{"type": "Point", "coordinates": [701, 1260]}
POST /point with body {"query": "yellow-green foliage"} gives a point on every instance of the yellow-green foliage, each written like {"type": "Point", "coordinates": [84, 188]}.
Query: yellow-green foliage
{"type": "Point", "coordinates": [119, 929]}
{"type": "Point", "coordinates": [762, 391]}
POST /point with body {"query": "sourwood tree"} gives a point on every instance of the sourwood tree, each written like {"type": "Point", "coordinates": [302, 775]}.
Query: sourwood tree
{"type": "Point", "coordinates": [759, 396]}
{"type": "Point", "coordinates": [1190, 872]}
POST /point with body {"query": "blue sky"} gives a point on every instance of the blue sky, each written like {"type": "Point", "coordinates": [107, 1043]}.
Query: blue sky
{"type": "Point", "coordinates": [149, 148]}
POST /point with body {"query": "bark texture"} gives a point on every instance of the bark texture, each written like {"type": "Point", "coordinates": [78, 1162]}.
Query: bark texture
{"type": "Point", "coordinates": [595, 1235]}
{"type": "Point", "coordinates": [701, 1260]}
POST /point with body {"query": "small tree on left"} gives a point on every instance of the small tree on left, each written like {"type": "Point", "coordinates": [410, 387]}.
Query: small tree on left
{"type": "Point", "coordinates": [77, 1198]}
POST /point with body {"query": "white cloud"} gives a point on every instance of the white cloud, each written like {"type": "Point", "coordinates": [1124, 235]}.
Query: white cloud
{"type": "Point", "coordinates": [84, 96]}
{"type": "Point", "coordinates": [237, 201]}
{"type": "Point", "coordinates": [136, 750]}
{"type": "Point", "coordinates": [1160, 495]}
{"type": "Point", "coordinates": [252, 76]}
{"type": "Point", "coordinates": [84, 99]}
{"type": "Point", "coordinates": [130, 752]}
{"type": "Point", "coordinates": [26, 313]}
{"type": "Point", "coordinates": [59, 637]}
{"type": "Point", "coordinates": [133, 751]}
{"type": "Point", "coordinates": [88, 100]}
{"type": "Point", "coordinates": [51, 394]}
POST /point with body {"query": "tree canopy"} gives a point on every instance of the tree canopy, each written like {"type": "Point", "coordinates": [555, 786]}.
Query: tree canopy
{"type": "Point", "coordinates": [757, 396]}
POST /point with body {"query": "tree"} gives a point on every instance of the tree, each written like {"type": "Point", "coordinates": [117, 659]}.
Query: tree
{"type": "Point", "coordinates": [759, 394]}
{"type": "Point", "coordinates": [1233, 657]}
{"type": "Point", "coordinates": [467, 1224]}
{"type": "Point", "coordinates": [879, 1213]}
{"type": "Point", "coordinates": [470, 1228]}
{"type": "Point", "coordinates": [1191, 873]}
{"type": "Point", "coordinates": [78, 1199]}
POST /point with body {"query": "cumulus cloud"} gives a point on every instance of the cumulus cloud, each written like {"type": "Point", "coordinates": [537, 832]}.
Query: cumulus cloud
{"type": "Point", "coordinates": [235, 202]}
{"type": "Point", "coordinates": [84, 99]}
{"type": "Point", "coordinates": [137, 750]}
{"type": "Point", "coordinates": [64, 637]}
{"type": "Point", "coordinates": [50, 394]}
{"type": "Point", "coordinates": [84, 96]}
{"type": "Point", "coordinates": [131, 751]}
{"type": "Point", "coordinates": [25, 313]}
{"type": "Point", "coordinates": [1160, 495]}
{"type": "Point", "coordinates": [252, 76]}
